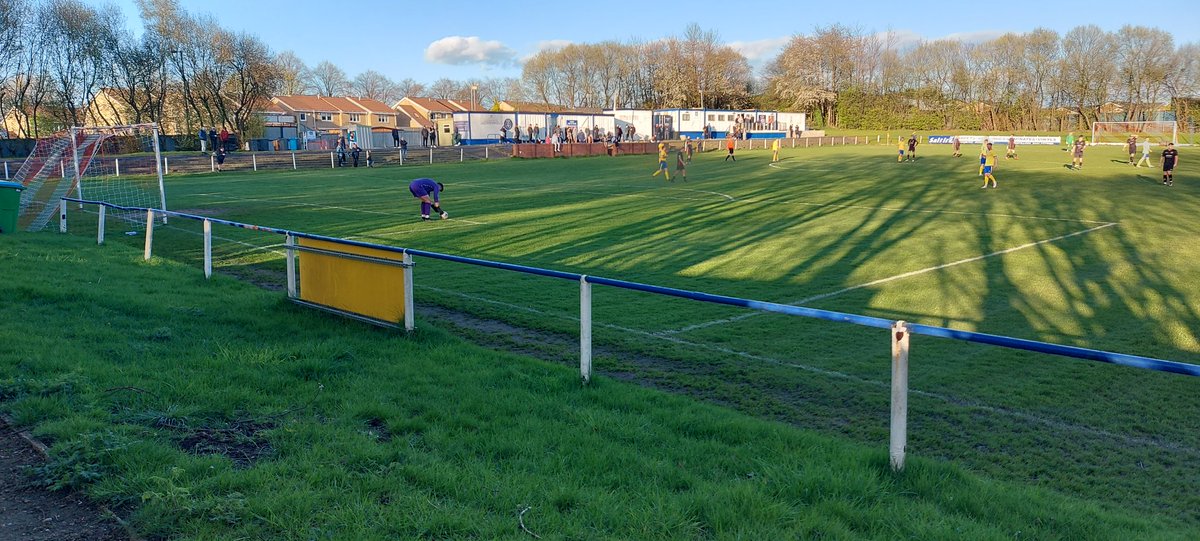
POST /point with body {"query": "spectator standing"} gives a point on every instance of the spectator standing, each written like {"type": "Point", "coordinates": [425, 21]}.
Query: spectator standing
{"type": "Point", "coordinates": [212, 139]}
{"type": "Point", "coordinates": [395, 137]}
{"type": "Point", "coordinates": [354, 153]}
{"type": "Point", "coordinates": [424, 136]}
{"type": "Point", "coordinates": [224, 137]}
{"type": "Point", "coordinates": [203, 140]}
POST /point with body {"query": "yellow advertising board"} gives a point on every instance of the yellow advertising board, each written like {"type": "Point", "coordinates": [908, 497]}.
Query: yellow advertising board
{"type": "Point", "coordinates": [366, 288]}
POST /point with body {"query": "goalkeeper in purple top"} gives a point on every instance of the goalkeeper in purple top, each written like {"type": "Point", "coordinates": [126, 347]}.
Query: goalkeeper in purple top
{"type": "Point", "coordinates": [427, 191]}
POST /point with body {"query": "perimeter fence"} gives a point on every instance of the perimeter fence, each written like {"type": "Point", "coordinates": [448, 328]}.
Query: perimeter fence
{"type": "Point", "coordinates": [899, 333]}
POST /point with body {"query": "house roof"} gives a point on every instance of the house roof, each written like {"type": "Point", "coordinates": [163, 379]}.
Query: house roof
{"type": "Point", "coordinates": [304, 103]}
{"type": "Point", "coordinates": [436, 105]}
{"type": "Point", "coordinates": [373, 106]}
{"type": "Point", "coordinates": [415, 115]}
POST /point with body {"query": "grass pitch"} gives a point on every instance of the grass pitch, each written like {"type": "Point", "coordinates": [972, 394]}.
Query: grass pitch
{"type": "Point", "coordinates": [1102, 258]}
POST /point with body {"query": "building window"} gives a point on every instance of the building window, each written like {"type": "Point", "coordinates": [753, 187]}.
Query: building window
{"type": "Point", "coordinates": [382, 119]}
{"type": "Point", "coordinates": [685, 117]}
{"type": "Point", "coordinates": [712, 117]}
{"type": "Point", "coordinates": [325, 116]}
{"type": "Point", "coordinates": [303, 117]}
{"type": "Point", "coordinates": [353, 117]}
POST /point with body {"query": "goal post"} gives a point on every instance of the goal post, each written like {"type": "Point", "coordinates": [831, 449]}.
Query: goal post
{"type": "Point", "coordinates": [121, 165]}
{"type": "Point", "coordinates": [1117, 133]}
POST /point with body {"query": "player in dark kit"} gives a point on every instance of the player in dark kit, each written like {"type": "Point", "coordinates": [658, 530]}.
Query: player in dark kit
{"type": "Point", "coordinates": [1170, 158]}
{"type": "Point", "coordinates": [1132, 144]}
{"type": "Point", "coordinates": [428, 191]}
{"type": "Point", "coordinates": [912, 147]}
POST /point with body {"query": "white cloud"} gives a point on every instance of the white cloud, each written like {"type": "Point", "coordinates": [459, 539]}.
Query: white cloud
{"type": "Point", "coordinates": [547, 45]}
{"type": "Point", "coordinates": [759, 50]}
{"type": "Point", "coordinates": [460, 50]}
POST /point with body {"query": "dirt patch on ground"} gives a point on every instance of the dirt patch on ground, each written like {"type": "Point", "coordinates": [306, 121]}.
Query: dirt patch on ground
{"type": "Point", "coordinates": [31, 513]}
{"type": "Point", "coordinates": [242, 442]}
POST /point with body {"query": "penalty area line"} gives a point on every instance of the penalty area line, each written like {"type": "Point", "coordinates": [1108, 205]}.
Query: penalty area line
{"type": "Point", "coordinates": [823, 296]}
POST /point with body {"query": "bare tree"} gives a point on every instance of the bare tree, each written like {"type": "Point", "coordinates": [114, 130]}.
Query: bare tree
{"type": "Point", "coordinates": [409, 87]}
{"type": "Point", "coordinates": [444, 88]}
{"type": "Point", "coordinates": [374, 85]}
{"type": "Point", "coordinates": [76, 39]}
{"type": "Point", "coordinates": [1087, 70]}
{"type": "Point", "coordinates": [329, 80]}
{"type": "Point", "coordinates": [293, 74]}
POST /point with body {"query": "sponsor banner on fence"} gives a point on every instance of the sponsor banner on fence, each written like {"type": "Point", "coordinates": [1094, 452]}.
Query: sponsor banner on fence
{"type": "Point", "coordinates": [995, 139]}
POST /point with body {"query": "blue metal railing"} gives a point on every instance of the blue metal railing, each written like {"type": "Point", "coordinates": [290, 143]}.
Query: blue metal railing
{"type": "Point", "coordinates": [1133, 361]}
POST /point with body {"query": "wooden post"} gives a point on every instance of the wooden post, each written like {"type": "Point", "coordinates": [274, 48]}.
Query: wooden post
{"type": "Point", "coordinates": [289, 243]}
{"type": "Point", "coordinates": [409, 323]}
{"type": "Point", "coordinates": [149, 233]}
{"type": "Point", "coordinates": [100, 225]}
{"type": "Point", "coordinates": [899, 432]}
{"type": "Point", "coordinates": [208, 248]}
{"type": "Point", "coordinates": [585, 329]}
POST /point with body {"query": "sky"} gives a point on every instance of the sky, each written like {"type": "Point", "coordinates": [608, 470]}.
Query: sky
{"type": "Point", "coordinates": [467, 39]}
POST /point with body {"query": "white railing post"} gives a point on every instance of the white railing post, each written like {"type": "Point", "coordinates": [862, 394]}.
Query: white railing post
{"type": "Point", "coordinates": [460, 155]}
{"type": "Point", "coordinates": [212, 164]}
{"type": "Point", "coordinates": [6, 171]}
{"type": "Point", "coordinates": [332, 164]}
{"type": "Point", "coordinates": [289, 243]}
{"type": "Point", "coordinates": [293, 161]}
{"type": "Point", "coordinates": [208, 248]}
{"type": "Point", "coordinates": [117, 166]}
{"type": "Point", "coordinates": [899, 434]}
{"type": "Point", "coordinates": [62, 216]}
{"type": "Point", "coordinates": [430, 155]}
{"type": "Point", "coordinates": [166, 166]}
{"type": "Point", "coordinates": [400, 152]}
{"type": "Point", "coordinates": [100, 225]}
{"type": "Point", "coordinates": [149, 233]}
{"type": "Point", "coordinates": [585, 329]}
{"type": "Point", "coordinates": [254, 160]}
{"type": "Point", "coordinates": [409, 323]}
{"type": "Point", "coordinates": [485, 157]}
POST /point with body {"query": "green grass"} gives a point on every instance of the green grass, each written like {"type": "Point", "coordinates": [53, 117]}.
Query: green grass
{"type": "Point", "coordinates": [822, 221]}
{"type": "Point", "coordinates": [361, 433]}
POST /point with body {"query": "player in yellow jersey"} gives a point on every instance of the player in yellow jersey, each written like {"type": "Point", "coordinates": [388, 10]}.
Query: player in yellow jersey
{"type": "Point", "coordinates": [989, 162]}
{"type": "Point", "coordinates": [983, 149]}
{"type": "Point", "coordinates": [901, 146]}
{"type": "Point", "coordinates": [662, 162]}
{"type": "Point", "coordinates": [775, 151]}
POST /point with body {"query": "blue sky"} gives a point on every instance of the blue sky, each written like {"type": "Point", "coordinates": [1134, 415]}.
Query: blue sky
{"type": "Point", "coordinates": [464, 39]}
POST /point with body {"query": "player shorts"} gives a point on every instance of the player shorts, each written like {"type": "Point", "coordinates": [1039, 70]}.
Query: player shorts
{"type": "Point", "coordinates": [662, 166]}
{"type": "Point", "coordinates": [987, 169]}
{"type": "Point", "coordinates": [901, 152]}
{"type": "Point", "coordinates": [982, 160]}
{"type": "Point", "coordinates": [1168, 166]}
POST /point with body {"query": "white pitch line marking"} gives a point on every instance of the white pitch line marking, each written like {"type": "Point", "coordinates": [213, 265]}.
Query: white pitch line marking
{"type": "Point", "coordinates": [815, 298]}
{"type": "Point", "coordinates": [1054, 423]}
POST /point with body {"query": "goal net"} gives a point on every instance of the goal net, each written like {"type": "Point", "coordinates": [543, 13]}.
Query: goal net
{"type": "Point", "coordinates": [1117, 133]}
{"type": "Point", "coordinates": [121, 165]}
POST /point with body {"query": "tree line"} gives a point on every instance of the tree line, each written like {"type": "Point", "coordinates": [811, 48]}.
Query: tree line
{"type": "Point", "coordinates": [185, 70]}
{"type": "Point", "coordinates": [1037, 80]}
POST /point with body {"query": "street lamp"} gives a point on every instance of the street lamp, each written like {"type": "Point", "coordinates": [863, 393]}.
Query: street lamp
{"type": "Point", "coordinates": [473, 89]}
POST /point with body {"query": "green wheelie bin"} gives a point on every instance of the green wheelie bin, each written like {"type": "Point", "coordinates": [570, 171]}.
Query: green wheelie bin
{"type": "Point", "coordinates": [10, 206]}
